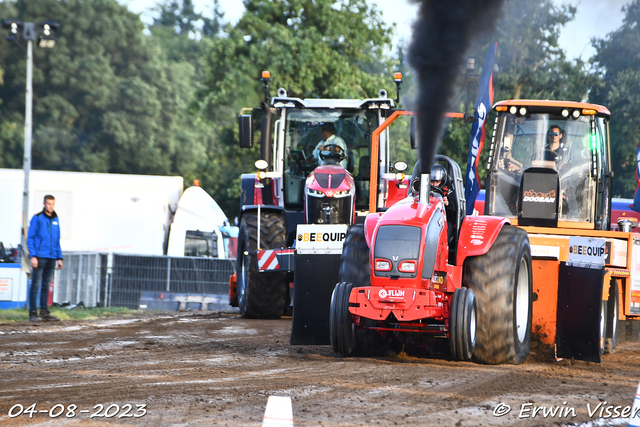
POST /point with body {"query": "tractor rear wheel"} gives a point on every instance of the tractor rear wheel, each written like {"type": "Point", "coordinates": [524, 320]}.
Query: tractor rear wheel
{"type": "Point", "coordinates": [611, 343]}
{"type": "Point", "coordinates": [502, 283]}
{"type": "Point", "coordinates": [354, 262]}
{"type": "Point", "coordinates": [462, 324]}
{"type": "Point", "coordinates": [260, 295]}
{"type": "Point", "coordinates": [355, 269]}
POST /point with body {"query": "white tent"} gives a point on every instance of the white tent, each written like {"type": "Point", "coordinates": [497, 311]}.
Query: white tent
{"type": "Point", "coordinates": [197, 212]}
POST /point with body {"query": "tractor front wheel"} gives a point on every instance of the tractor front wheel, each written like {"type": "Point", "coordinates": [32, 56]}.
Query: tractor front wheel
{"type": "Point", "coordinates": [502, 283]}
{"type": "Point", "coordinates": [355, 269]}
{"type": "Point", "coordinates": [462, 324]}
{"type": "Point", "coordinates": [260, 295]}
{"type": "Point", "coordinates": [341, 328]}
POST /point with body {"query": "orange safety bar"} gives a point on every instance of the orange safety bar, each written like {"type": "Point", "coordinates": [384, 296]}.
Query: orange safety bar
{"type": "Point", "coordinates": [375, 157]}
{"type": "Point", "coordinates": [375, 142]}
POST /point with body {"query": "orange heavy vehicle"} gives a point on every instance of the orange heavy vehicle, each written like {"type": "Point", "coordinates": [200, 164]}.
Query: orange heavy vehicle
{"type": "Point", "coordinates": [541, 261]}
{"type": "Point", "coordinates": [550, 174]}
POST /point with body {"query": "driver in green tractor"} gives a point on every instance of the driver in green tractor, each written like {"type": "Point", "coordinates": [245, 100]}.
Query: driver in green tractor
{"type": "Point", "coordinates": [334, 144]}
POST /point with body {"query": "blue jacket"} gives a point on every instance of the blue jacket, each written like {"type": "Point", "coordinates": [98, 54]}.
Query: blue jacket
{"type": "Point", "coordinates": [44, 236]}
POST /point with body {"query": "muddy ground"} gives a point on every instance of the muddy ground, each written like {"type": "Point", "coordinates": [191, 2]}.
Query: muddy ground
{"type": "Point", "coordinates": [219, 369]}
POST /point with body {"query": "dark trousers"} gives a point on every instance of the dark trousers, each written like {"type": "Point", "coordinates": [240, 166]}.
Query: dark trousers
{"type": "Point", "coordinates": [40, 280]}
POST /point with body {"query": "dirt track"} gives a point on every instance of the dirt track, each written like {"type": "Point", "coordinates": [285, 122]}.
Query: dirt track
{"type": "Point", "coordinates": [204, 369]}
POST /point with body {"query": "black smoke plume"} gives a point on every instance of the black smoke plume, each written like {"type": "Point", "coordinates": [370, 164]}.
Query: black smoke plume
{"type": "Point", "coordinates": [441, 35]}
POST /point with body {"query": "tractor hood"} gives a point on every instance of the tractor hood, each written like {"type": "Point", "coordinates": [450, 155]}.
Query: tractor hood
{"type": "Point", "coordinates": [329, 180]}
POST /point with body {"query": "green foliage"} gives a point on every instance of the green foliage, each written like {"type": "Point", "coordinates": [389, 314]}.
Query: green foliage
{"type": "Point", "coordinates": [106, 99]}
{"type": "Point", "coordinates": [618, 87]}
{"type": "Point", "coordinates": [530, 63]}
{"type": "Point", "coordinates": [22, 315]}
{"type": "Point", "coordinates": [184, 20]}
{"type": "Point", "coordinates": [311, 48]}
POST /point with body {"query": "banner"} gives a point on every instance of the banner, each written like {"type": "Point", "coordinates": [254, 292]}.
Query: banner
{"type": "Point", "coordinates": [484, 102]}
{"type": "Point", "coordinates": [636, 198]}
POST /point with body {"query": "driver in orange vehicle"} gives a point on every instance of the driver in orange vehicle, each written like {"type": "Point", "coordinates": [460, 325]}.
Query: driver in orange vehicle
{"type": "Point", "coordinates": [555, 149]}
{"type": "Point", "coordinates": [330, 142]}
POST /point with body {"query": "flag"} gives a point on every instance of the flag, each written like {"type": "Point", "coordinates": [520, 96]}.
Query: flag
{"type": "Point", "coordinates": [636, 198]}
{"type": "Point", "coordinates": [484, 101]}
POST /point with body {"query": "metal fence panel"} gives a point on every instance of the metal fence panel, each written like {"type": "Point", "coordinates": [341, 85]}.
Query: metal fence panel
{"type": "Point", "coordinates": [79, 279]}
{"type": "Point", "coordinates": [116, 280]}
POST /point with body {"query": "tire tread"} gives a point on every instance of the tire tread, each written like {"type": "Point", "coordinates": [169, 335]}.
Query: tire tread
{"type": "Point", "coordinates": [492, 277]}
{"type": "Point", "coordinates": [266, 293]}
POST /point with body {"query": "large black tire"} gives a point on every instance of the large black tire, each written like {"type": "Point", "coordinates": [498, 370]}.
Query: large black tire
{"type": "Point", "coordinates": [502, 283]}
{"type": "Point", "coordinates": [342, 331]}
{"type": "Point", "coordinates": [354, 262]}
{"type": "Point", "coordinates": [611, 343]}
{"type": "Point", "coordinates": [462, 324]}
{"type": "Point", "coordinates": [261, 295]}
{"type": "Point", "coordinates": [356, 270]}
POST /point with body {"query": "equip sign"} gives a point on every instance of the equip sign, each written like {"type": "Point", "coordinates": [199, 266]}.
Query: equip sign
{"type": "Point", "coordinates": [587, 250]}
{"type": "Point", "coordinates": [320, 239]}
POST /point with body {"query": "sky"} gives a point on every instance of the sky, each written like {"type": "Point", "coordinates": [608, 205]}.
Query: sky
{"type": "Point", "coordinates": [595, 18]}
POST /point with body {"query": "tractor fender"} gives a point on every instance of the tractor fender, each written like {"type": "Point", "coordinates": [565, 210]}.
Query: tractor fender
{"type": "Point", "coordinates": [477, 235]}
{"type": "Point", "coordinates": [263, 209]}
{"type": "Point", "coordinates": [247, 189]}
{"type": "Point", "coordinates": [250, 195]}
{"type": "Point", "coordinates": [370, 225]}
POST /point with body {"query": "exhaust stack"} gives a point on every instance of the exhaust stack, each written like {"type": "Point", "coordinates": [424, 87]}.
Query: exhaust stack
{"type": "Point", "coordinates": [441, 35]}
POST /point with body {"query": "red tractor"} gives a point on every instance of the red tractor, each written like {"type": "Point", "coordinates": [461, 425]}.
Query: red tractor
{"type": "Point", "coordinates": [420, 267]}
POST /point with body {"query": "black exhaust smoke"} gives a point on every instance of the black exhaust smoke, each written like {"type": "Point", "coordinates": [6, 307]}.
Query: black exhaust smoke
{"type": "Point", "coordinates": [441, 35]}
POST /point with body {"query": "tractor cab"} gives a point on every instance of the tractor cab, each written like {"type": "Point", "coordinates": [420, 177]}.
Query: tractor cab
{"type": "Point", "coordinates": [315, 136]}
{"type": "Point", "coordinates": [318, 155]}
{"type": "Point", "coordinates": [549, 165]}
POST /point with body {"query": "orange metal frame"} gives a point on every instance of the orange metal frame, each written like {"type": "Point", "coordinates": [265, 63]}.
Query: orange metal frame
{"type": "Point", "coordinates": [545, 276]}
{"type": "Point", "coordinates": [375, 153]}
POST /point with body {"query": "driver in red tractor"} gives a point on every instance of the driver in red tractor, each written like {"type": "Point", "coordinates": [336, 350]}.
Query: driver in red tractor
{"type": "Point", "coordinates": [439, 180]}
{"type": "Point", "coordinates": [333, 144]}
{"type": "Point", "coordinates": [441, 184]}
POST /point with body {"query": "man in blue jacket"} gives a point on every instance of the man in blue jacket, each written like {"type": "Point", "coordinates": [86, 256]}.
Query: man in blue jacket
{"type": "Point", "coordinates": [43, 243]}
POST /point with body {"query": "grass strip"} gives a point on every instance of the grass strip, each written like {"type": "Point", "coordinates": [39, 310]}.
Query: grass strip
{"type": "Point", "coordinates": [22, 315]}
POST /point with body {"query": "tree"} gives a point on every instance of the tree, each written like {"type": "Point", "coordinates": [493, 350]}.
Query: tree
{"type": "Point", "coordinates": [183, 19]}
{"type": "Point", "coordinates": [11, 122]}
{"type": "Point", "coordinates": [106, 99]}
{"type": "Point", "coordinates": [617, 62]}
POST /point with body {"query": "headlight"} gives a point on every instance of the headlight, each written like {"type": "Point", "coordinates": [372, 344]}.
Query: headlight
{"type": "Point", "coordinates": [343, 193]}
{"type": "Point", "coordinates": [407, 267]}
{"type": "Point", "coordinates": [316, 193]}
{"type": "Point", "coordinates": [383, 265]}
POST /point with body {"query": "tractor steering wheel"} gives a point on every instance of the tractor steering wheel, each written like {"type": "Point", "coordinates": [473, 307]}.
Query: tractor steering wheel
{"type": "Point", "coordinates": [438, 190]}
{"type": "Point", "coordinates": [332, 153]}
{"type": "Point", "coordinates": [541, 156]}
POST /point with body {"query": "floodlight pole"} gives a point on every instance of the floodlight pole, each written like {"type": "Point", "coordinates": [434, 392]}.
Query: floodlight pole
{"type": "Point", "coordinates": [26, 165]}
